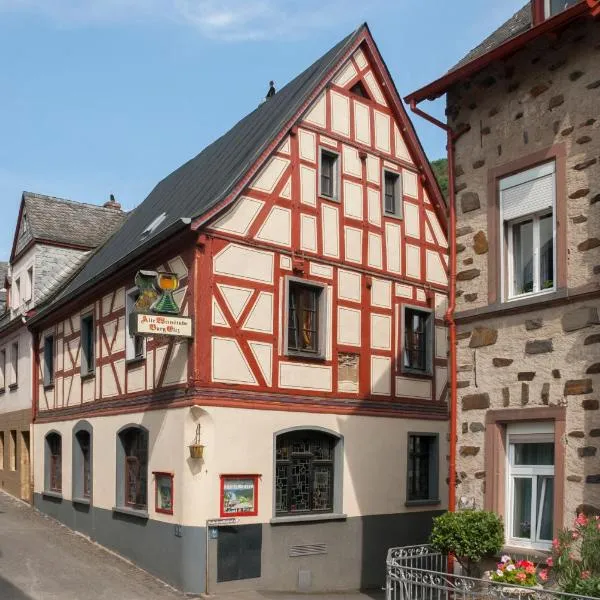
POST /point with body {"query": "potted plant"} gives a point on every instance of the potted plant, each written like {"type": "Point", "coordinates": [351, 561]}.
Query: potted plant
{"type": "Point", "coordinates": [196, 448]}
{"type": "Point", "coordinates": [521, 573]}
{"type": "Point", "coordinates": [470, 535]}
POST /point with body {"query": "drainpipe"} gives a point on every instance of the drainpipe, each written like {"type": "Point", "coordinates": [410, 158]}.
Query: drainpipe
{"type": "Point", "coordinates": [452, 138]}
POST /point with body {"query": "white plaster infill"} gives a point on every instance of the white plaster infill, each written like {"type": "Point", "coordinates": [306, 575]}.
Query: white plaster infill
{"type": "Point", "coordinates": [308, 518]}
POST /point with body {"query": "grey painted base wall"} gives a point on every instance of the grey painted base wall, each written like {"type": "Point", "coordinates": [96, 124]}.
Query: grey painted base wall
{"type": "Point", "coordinates": [175, 555]}
{"type": "Point", "coordinates": [354, 549]}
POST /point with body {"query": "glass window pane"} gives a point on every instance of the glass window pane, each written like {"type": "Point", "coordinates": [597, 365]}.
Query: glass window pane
{"type": "Point", "coordinates": [545, 506]}
{"type": "Point", "coordinates": [521, 526]}
{"type": "Point", "coordinates": [523, 257]}
{"type": "Point", "coordinates": [546, 252]}
{"type": "Point", "coordinates": [557, 6]}
{"type": "Point", "coordinates": [534, 454]}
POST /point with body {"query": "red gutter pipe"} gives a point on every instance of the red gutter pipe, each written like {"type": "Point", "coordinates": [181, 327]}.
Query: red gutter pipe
{"type": "Point", "coordinates": [449, 317]}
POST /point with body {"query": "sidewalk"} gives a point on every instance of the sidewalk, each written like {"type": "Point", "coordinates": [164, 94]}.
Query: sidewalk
{"type": "Point", "coordinates": [287, 596]}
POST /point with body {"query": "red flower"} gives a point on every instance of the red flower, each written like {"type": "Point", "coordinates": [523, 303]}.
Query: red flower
{"type": "Point", "coordinates": [521, 576]}
{"type": "Point", "coordinates": [544, 574]}
{"type": "Point", "coordinates": [585, 575]}
{"type": "Point", "coordinates": [581, 520]}
{"type": "Point", "coordinates": [550, 561]}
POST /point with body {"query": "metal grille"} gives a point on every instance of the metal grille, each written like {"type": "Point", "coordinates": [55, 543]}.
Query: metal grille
{"type": "Point", "coordinates": [308, 550]}
{"type": "Point", "coordinates": [421, 573]}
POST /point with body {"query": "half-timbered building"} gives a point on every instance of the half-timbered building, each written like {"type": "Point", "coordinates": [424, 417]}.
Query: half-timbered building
{"type": "Point", "coordinates": [309, 243]}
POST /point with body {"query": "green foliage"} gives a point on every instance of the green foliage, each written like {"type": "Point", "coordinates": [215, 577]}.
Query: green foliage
{"type": "Point", "coordinates": [522, 572]}
{"type": "Point", "coordinates": [575, 560]}
{"type": "Point", "coordinates": [469, 534]}
{"type": "Point", "coordinates": [440, 170]}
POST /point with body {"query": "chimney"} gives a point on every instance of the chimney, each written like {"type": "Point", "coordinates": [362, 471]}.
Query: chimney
{"type": "Point", "coordinates": [112, 203]}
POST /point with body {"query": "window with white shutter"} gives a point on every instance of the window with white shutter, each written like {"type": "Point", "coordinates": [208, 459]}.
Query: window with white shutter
{"type": "Point", "coordinates": [527, 201]}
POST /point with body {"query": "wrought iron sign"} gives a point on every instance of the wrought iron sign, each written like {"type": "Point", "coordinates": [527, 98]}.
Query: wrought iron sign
{"type": "Point", "coordinates": [156, 311]}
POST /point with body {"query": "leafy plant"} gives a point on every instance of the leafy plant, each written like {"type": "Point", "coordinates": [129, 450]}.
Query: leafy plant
{"type": "Point", "coordinates": [575, 560]}
{"type": "Point", "coordinates": [440, 170]}
{"type": "Point", "coordinates": [522, 572]}
{"type": "Point", "coordinates": [469, 535]}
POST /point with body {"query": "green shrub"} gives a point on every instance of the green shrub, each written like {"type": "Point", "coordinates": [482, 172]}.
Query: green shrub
{"type": "Point", "coordinates": [469, 535]}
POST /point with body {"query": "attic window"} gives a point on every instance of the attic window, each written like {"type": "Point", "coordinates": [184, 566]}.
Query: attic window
{"type": "Point", "coordinates": [553, 7]}
{"type": "Point", "coordinates": [24, 224]}
{"type": "Point", "coordinates": [359, 89]}
{"type": "Point", "coordinates": [153, 226]}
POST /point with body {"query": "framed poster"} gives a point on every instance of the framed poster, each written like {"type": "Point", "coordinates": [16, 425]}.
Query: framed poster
{"type": "Point", "coordinates": [239, 495]}
{"type": "Point", "coordinates": [163, 493]}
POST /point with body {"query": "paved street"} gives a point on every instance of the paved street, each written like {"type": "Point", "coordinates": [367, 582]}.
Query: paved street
{"type": "Point", "coordinates": [42, 560]}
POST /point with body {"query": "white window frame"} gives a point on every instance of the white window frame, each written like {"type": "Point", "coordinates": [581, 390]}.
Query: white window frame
{"type": "Point", "coordinates": [322, 316]}
{"type": "Point", "coordinates": [14, 363]}
{"type": "Point", "coordinates": [540, 432]}
{"type": "Point", "coordinates": [506, 237]}
{"type": "Point", "coordinates": [17, 293]}
{"type": "Point", "coordinates": [399, 192]}
{"type": "Point", "coordinates": [336, 173]}
{"type": "Point", "coordinates": [129, 339]}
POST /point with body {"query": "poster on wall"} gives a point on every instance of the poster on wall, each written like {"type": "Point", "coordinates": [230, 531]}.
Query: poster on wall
{"type": "Point", "coordinates": [164, 493]}
{"type": "Point", "coordinates": [239, 495]}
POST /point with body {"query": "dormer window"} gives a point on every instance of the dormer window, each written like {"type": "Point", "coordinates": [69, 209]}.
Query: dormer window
{"type": "Point", "coordinates": [553, 7]}
{"type": "Point", "coordinates": [24, 224]}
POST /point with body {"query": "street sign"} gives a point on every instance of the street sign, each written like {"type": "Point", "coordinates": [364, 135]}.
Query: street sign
{"type": "Point", "coordinates": [222, 522]}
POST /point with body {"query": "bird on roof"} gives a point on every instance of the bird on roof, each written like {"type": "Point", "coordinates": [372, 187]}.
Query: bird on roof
{"type": "Point", "coordinates": [271, 91]}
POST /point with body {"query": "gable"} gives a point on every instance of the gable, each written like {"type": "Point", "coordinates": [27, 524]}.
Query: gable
{"type": "Point", "coordinates": [283, 204]}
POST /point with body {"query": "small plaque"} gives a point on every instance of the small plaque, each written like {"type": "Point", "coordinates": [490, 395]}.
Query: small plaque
{"type": "Point", "coordinates": [161, 325]}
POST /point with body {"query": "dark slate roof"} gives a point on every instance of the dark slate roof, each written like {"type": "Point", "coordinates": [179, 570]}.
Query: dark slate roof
{"type": "Point", "coordinates": [67, 222]}
{"type": "Point", "coordinates": [201, 183]}
{"type": "Point", "coordinates": [520, 22]}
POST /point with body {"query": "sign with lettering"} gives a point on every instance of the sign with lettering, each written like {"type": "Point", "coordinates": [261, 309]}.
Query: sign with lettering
{"type": "Point", "coordinates": [149, 324]}
{"type": "Point", "coordinates": [239, 495]}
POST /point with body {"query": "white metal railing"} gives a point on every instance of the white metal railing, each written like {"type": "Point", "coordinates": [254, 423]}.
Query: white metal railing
{"type": "Point", "coordinates": [421, 573]}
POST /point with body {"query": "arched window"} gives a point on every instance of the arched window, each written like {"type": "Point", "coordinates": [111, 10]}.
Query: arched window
{"type": "Point", "coordinates": [53, 463]}
{"type": "Point", "coordinates": [82, 461]}
{"type": "Point", "coordinates": [132, 468]}
{"type": "Point", "coordinates": [305, 472]}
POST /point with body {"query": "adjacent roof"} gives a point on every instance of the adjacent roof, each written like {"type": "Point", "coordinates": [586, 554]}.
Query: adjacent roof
{"type": "Point", "coordinates": [521, 21]}
{"type": "Point", "coordinates": [63, 221]}
{"type": "Point", "coordinates": [516, 33]}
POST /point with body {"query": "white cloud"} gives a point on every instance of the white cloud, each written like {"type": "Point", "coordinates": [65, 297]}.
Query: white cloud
{"type": "Point", "coordinates": [229, 20]}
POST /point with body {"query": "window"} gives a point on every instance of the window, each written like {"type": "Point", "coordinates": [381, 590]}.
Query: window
{"type": "Point", "coordinates": [12, 451]}
{"type": "Point", "coordinates": [418, 341]}
{"type": "Point", "coordinates": [82, 461]}
{"type": "Point", "coordinates": [530, 486]}
{"type": "Point", "coordinates": [135, 345]}
{"type": "Point", "coordinates": [305, 472]}
{"type": "Point", "coordinates": [3, 370]}
{"type": "Point", "coordinates": [53, 466]}
{"type": "Point", "coordinates": [305, 318]}
{"type": "Point", "coordinates": [329, 174]}
{"type": "Point", "coordinates": [24, 224]}
{"type": "Point", "coordinates": [423, 471]}
{"type": "Point", "coordinates": [133, 455]}
{"type": "Point", "coordinates": [529, 230]}
{"type": "Point", "coordinates": [49, 360]}
{"type": "Point", "coordinates": [88, 343]}
{"type": "Point", "coordinates": [17, 293]}
{"type": "Point", "coordinates": [30, 283]}
{"type": "Point", "coordinates": [392, 194]}
{"type": "Point", "coordinates": [553, 7]}
{"type": "Point", "coordinates": [14, 359]}
{"type": "Point", "coordinates": [359, 89]}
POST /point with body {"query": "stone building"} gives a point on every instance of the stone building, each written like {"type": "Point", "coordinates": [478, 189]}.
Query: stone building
{"type": "Point", "coordinates": [52, 239]}
{"type": "Point", "coordinates": [524, 110]}
{"type": "Point", "coordinates": [310, 248]}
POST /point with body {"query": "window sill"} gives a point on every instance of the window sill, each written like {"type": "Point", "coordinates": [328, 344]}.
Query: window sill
{"type": "Point", "coordinates": [86, 376]}
{"type": "Point", "coordinates": [85, 501]}
{"type": "Point", "coordinates": [416, 373]}
{"type": "Point", "coordinates": [305, 356]}
{"type": "Point", "coordinates": [134, 362]}
{"type": "Point", "coordinates": [131, 512]}
{"type": "Point", "coordinates": [431, 502]}
{"type": "Point", "coordinates": [13, 386]}
{"type": "Point", "coordinates": [513, 549]}
{"type": "Point", "coordinates": [308, 518]}
{"type": "Point", "coordinates": [50, 494]}
{"type": "Point", "coordinates": [329, 198]}
{"type": "Point", "coordinates": [393, 216]}
{"type": "Point", "coordinates": [48, 386]}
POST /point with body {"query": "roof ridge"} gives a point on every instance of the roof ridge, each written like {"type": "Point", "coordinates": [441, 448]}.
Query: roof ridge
{"type": "Point", "coordinates": [58, 200]}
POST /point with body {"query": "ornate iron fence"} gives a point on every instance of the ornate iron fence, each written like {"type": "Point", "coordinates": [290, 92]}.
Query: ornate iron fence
{"type": "Point", "coordinates": [421, 573]}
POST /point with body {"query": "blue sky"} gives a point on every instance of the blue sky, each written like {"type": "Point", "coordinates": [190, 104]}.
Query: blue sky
{"type": "Point", "coordinates": [109, 96]}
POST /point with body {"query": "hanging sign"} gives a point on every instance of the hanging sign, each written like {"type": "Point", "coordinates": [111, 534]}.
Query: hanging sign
{"type": "Point", "coordinates": [156, 311]}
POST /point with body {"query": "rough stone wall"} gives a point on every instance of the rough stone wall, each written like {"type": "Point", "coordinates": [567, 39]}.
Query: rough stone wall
{"type": "Point", "coordinates": [546, 94]}
{"type": "Point", "coordinates": [549, 356]}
